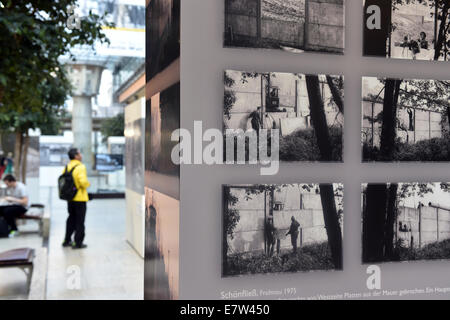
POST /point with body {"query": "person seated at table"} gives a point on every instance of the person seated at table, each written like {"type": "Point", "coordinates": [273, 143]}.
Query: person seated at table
{"type": "Point", "coordinates": [15, 204]}
{"type": "Point", "coordinates": [423, 40]}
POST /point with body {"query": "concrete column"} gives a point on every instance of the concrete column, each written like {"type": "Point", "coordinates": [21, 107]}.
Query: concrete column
{"type": "Point", "coordinates": [82, 128]}
{"type": "Point", "coordinates": [85, 80]}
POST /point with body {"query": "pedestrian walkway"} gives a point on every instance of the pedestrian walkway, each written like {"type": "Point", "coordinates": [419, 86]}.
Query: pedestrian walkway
{"type": "Point", "coordinates": [108, 269]}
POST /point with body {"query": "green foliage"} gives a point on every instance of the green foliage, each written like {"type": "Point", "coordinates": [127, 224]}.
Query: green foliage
{"type": "Point", "coordinates": [302, 145]}
{"type": "Point", "coordinates": [113, 127]}
{"type": "Point", "coordinates": [433, 251]}
{"type": "Point", "coordinates": [426, 94]}
{"type": "Point", "coordinates": [308, 258]}
{"type": "Point", "coordinates": [229, 96]}
{"type": "Point", "coordinates": [436, 150]}
{"type": "Point", "coordinates": [408, 190]}
{"type": "Point", "coordinates": [33, 82]}
{"type": "Point", "coordinates": [231, 216]}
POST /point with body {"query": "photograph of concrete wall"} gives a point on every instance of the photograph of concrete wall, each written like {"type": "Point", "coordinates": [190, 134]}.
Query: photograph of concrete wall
{"type": "Point", "coordinates": [162, 227]}
{"type": "Point", "coordinates": [405, 120]}
{"type": "Point", "coordinates": [163, 35]}
{"type": "Point", "coordinates": [290, 25]}
{"type": "Point", "coordinates": [308, 111]}
{"type": "Point", "coordinates": [414, 30]}
{"type": "Point", "coordinates": [282, 228]}
{"type": "Point", "coordinates": [54, 154]}
{"type": "Point", "coordinates": [406, 221]}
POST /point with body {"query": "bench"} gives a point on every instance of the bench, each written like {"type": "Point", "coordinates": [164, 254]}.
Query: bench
{"type": "Point", "coordinates": [19, 258]}
{"type": "Point", "coordinates": [38, 213]}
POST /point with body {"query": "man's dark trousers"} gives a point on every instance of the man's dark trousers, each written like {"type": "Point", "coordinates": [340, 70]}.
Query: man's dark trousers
{"type": "Point", "coordinates": [294, 237]}
{"type": "Point", "coordinates": [75, 222]}
{"type": "Point", "coordinates": [11, 213]}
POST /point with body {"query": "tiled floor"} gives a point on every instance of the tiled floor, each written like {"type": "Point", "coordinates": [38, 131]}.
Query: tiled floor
{"type": "Point", "coordinates": [108, 269]}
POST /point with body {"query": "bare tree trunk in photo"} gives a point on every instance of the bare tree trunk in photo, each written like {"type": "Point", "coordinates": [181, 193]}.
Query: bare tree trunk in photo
{"type": "Point", "coordinates": [390, 222]}
{"type": "Point", "coordinates": [336, 94]}
{"type": "Point", "coordinates": [332, 225]}
{"type": "Point", "coordinates": [318, 117]}
{"type": "Point", "coordinates": [374, 220]}
{"type": "Point", "coordinates": [442, 30]}
{"type": "Point", "coordinates": [448, 117]}
{"type": "Point", "coordinates": [224, 232]}
{"type": "Point", "coordinates": [319, 121]}
{"type": "Point", "coordinates": [388, 132]}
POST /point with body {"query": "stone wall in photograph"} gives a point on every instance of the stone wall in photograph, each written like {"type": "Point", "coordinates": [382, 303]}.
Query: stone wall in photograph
{"type": "Point", "coordinates": [254, 209]}
{"type": "Point", "coordinates": [325, 26]}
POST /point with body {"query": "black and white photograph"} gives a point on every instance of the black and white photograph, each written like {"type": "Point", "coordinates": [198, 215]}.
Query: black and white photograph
{"type": "Point", "coordinates": [54, 154]}
{"type": "Point", "coordinates": [405, 120]}
{"type": "Point", "coordinates": [163, 35]}
{"type": "Point", "coordinates": [108, 162]}
{"type": "Point", "coordinates": [289, 25]}
{"type": "Point", "coordinates": [162, 118]}
{"type": "Point", "coordinates": [282, 228]}
{"type": "Point", "coordinates": [406, 222]}
{"type": "Point", "coordinates": [307, 110]}
{"type": "Point", "coordinates": [407, 29]}
{"type": "Point", "coordinates": [162, 247]}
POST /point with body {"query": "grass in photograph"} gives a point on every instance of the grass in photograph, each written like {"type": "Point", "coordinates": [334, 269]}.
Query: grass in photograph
{"type": "Point", "coordinates": [308, 258]}
{"type": "Point", "coordinates": [433, 251]}
{"type": "Point", "coordinates": [436, 150]}
{"type": "Point", "coordinates": [302, 146]}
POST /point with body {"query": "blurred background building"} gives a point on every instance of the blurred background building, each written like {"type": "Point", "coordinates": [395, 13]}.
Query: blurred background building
{"type": "Point", "coordinates": [104, 118]}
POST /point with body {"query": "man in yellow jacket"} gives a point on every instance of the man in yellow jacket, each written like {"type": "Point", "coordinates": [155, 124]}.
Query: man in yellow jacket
{"type": "Point", "coordinates": [77, 207]}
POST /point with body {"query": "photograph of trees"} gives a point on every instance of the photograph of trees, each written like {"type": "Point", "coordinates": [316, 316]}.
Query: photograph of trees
{"type": "Point", "coordinates": [282, 228]}
{"type": "Point", "coordinates": [405, 222]}
{"type": "Point", "coordinates": [405, 120]}
{"type": "Point", "coordinates": [308, 111]}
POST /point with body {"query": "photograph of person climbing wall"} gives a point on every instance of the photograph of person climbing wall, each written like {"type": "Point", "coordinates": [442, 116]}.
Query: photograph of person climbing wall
{"type": "Point", "coordinates": [289, 25]}
{"type": "Point", "coordinates": [308, 111]}
{"type": "Point", "coordinates": [407, 29]}
{"type": "Point", "coordinates": [406, 222]}
{"type": "Point", "coordinates": [282, 228]}
{"type": "Point", "coordinates": [405, 120]}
